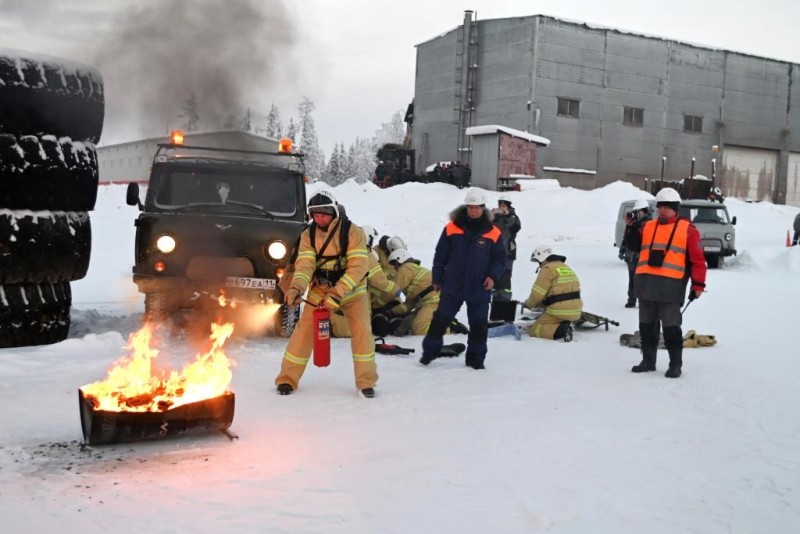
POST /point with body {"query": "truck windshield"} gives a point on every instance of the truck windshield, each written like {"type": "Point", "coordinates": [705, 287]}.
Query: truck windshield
{"type": "Point", "coordinates": [275, 193]}
{"type": "Point", "coordinates": [705, 214]}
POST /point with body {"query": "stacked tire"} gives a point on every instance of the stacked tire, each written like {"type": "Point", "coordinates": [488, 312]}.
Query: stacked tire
{"type": "Point", "coordinates": [51, 117]}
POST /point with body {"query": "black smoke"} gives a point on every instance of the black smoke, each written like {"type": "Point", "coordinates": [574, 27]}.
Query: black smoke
{"type": "Point", "coordinates": [229, 54]}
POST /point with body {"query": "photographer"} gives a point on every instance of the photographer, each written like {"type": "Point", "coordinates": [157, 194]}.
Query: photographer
{"type": "Point", "coordinates": [632, 242]}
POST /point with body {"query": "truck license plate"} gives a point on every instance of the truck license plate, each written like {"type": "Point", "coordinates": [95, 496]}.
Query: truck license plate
{"type": "Point", "coordinates": [250, 283]}
{"type": "Point", "coordinates": [712, 249]}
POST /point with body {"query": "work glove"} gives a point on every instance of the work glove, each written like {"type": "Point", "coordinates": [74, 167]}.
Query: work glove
{"type": "Point", "coordinates": [693, 295]}
{"type": "Point", "coordinates": [291, 297]}
{"type": "Point", "coordinates": [331, 302]}
{"type": "Point", "coordinates": [400, 296]}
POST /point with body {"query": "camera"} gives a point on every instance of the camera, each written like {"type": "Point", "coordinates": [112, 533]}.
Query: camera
{"type": "Point", "coordinates": [632, 215]}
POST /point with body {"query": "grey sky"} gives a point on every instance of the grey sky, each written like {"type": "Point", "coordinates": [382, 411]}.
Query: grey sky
{"type": "Point", "coordinates": [354, 59]}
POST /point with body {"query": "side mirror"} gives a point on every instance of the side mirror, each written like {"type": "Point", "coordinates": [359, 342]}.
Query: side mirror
{"type": "Point", "coordinates": [733, 221]}
{"type": "Point", "coordinates": [132, 196]}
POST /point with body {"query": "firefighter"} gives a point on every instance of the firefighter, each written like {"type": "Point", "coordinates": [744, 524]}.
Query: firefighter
{"type": "Point", "coordinates": [468, 261]}
{"type": "Point", "coordinates": [417, 283]}
{"type": "Point", "coordinates": [670, 256]}
{"type": "Point", "coordinates": [378, 286]}
{"type": "Point", "coordinates": [332, 265]}
{"type": "Point", "coordinates": [558, 289]}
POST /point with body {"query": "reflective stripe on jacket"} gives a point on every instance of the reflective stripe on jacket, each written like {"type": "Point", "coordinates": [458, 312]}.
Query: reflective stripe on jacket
{"type": "Point", "coordinates": [556, 278]}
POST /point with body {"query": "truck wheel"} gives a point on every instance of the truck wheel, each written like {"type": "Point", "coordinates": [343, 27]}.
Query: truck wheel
{"type": "Point", "coordinates": [44, 247]}
{"type": "Point", "coordinates": [50, 95]}
{"type": "Point", "coordinates": [34, 314]}
{"type": "Point", "coordinates": [40, 172]}
{"type": "Point", "coordinates": [714, 262]}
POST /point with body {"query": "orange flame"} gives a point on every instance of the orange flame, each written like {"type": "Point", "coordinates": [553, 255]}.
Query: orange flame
{"type": "Point", "coordinates": [132, 385]}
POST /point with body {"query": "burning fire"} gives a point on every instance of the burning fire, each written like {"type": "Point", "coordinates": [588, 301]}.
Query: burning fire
{"type": "Point", "coordinates": [134, 385]}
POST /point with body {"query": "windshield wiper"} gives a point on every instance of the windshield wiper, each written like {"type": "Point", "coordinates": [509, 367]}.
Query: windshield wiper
{"type": "Point", "coordinates": [255, 207]}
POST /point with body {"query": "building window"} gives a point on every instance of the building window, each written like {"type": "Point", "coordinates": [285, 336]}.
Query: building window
{"type": "Point", "coordinates": [568, 107]}
{"type": "Point", "coordinates": [633, 116]}
{"type": "Point", "coordinates": [692, 123]}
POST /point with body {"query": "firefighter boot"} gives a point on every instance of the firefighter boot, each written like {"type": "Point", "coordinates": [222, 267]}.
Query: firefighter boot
{"type": "Point", "coordinates": [673, 339]}
{"type": "Point", "coordinates": [649, 348]}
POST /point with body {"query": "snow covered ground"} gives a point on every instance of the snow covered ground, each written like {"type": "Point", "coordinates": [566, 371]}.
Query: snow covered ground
{"type": "Point", "coordinates": [551, 437]}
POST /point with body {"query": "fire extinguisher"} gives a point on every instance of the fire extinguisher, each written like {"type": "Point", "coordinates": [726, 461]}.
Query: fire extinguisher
{"type": "Point", "coordinates": [322, 337]}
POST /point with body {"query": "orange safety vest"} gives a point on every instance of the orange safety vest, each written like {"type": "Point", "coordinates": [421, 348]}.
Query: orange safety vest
{"type": "Point", "coordinates": [656, 236]}
{"type": "Point", "coordinates": [453, 229]}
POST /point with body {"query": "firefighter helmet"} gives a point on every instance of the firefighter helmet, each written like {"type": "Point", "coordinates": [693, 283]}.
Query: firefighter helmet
{"type": "Point", "coordinates": [323, 202]}
{"type": "Point", "coordinates": [541, 253]}
{"type": "Point", "coordinates": [370, 233]}
{"type": "Point", "coordinates": [400, 256]}
{"type": "Point", "coordinates": [395, 243]}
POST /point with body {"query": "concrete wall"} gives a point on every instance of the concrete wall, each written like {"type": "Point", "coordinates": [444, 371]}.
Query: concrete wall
{"type": "Point", "coordinates": [526, 63]}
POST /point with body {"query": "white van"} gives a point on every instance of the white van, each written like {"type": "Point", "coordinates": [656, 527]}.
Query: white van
{"type": "Point", "coordinates": [716, 227]}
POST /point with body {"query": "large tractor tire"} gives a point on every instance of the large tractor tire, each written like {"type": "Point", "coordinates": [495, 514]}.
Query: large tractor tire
{"type": "Point", "coordinates": [44, 247]}
{"type": "Point", "coordinates": [34, 314]}
{"type": "Point", "coordinates": [40, 172]}
{"type": "Point", "coordinates": [50, 96]}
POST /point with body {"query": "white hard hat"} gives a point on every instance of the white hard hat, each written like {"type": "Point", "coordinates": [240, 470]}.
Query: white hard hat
{"type": "Point", "coordinates": [667, 194]}
{"type": "Point", "coordinates": [541, 253]}
{"type": "Point", "coordinates": [395, 243]}
{"type": "Point", "coordinates": [641, 204]}
{"type": "Point", "coordinates": [370, 234]}
{"type": "Point", "coordinates": [475, 197]}
{"type": "Point", "coordinates": [400, 255]}
{"type": "Point", "coordinates": [504, 198]}
{"type": "Point", "coordinates": [323, 202]}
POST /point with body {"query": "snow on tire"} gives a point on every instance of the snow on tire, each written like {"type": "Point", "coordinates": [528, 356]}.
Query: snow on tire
{"type": "Point", "coordinates": [44, 246]}
{"type": "Point", "coordinates": [34, 314]}
{"type": "Point", "coordinates": [47, 173]}
{"type": "Point", "coordinates": [50, 95]}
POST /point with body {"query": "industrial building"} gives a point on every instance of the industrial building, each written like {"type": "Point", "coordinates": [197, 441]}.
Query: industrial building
{"type": "Point", "coordinates": [615, 105]}
{"type": "Point", "coordinates": [131, 162]}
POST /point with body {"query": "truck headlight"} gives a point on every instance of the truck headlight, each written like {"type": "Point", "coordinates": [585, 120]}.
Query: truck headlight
{"type": "Point", "coordinates": [165, 244]}
{"type": "Point", "coordinates": [728, 236]}
{"type": "Point", "coordinates": [276, 250]}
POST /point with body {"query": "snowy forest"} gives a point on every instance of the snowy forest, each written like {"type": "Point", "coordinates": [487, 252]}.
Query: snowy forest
{"type": "Point", "coordinates": [356, 161]}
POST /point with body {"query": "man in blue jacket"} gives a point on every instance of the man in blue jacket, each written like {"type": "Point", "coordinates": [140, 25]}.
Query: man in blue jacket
{"type": "Point", "coordinates": [470, 258]}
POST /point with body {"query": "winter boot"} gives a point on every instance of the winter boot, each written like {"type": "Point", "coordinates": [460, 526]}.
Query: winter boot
{"type": "Point", "coordinates": [631, 303]}
{"type": "Point", "coordinates": [285, 389]}
{"type": "Point", "coordinates": [564, 331]}
{"type": "Point", "coordinates": [474, 362]}
{"type": "Point", "coordinates": [368, 392]}
{"type": "Point", "coordinates": [673, 338]}
{"type": "Point", "coordinates": [649, 336]}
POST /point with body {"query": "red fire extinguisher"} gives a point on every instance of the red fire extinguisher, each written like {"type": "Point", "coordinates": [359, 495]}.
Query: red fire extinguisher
{"type": "Point", "coordinates": [322, 337]}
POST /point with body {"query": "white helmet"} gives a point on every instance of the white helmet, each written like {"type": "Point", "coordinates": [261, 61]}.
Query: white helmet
{"type": "Point", "coordinates": [395, 243]}
{"type": "Point", "coordinates": [400, 255]}
{"type": "Point", "coordinates": [667, 194]}
{"type": "Point", "coordinates": [641, 204]}
{"type": "Point", "coordinates": [370, 234]}
{"type": "Point", "coordinates": [541, 253]}
{"type": "Point", "coordinates": [323, 202]}
{"type": "Point", "coordinates": [475, 197]}
{"type": "Point", "coordinates": [504, 198]}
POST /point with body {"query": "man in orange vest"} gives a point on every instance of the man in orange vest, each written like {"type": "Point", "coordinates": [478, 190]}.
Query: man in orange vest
{"type": "Point", "coordinates": [470, 258]}
{"type": "Point", "coordinates": [670, 256]}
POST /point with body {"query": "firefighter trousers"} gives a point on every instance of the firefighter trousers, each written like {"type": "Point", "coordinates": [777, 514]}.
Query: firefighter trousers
{"type": "Point", "coordinates": [296, 356]}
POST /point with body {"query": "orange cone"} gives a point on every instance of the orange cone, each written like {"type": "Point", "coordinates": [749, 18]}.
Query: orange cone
{"type": "Point", "coordinates": [788, 239]}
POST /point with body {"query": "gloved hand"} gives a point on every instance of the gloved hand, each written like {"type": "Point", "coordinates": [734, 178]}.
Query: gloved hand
{"type": "Point", "coordinates": [436, 287]}
{"type": "Point", "coordinates": [331, 302]}
{"type": "Point", "coordinates": [693, 294]}
{"type": "Point", "coordinates": [400, 296]}
{"type": "Point", "coordinates": [291, 297]}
